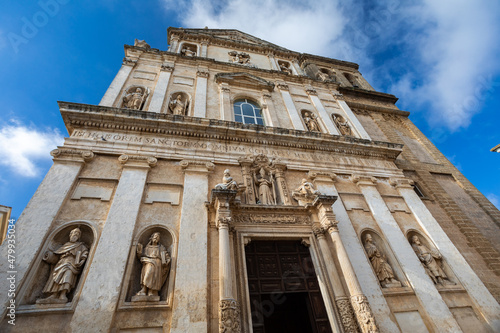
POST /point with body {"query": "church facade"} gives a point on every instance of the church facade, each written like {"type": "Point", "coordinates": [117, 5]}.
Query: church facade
{"type": "Point", "coordinates": [231, 185]}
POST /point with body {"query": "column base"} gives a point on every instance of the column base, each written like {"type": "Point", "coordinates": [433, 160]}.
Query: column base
{"type": "Point", "coordinates": [229, 316]}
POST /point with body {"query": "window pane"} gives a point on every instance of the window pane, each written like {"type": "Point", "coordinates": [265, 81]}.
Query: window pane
{"type": "Point", "coordinates": [247, 110]}
{"type": "Point", "coordinates": [249, 120]}
{"type": "Point", "coordinates": [238, 119]}
{"type": "Point", "coordinates": [260, 121]}
{"type": "Point", "coordinates": [237, 110]}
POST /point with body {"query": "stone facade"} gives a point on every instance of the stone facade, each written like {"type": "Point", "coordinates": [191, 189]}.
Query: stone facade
{"type": "Point", "coordinates": [227, 178]}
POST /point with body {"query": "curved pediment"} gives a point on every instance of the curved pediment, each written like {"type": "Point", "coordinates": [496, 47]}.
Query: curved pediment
{"type": "Point", "coordinates": [244, 80]}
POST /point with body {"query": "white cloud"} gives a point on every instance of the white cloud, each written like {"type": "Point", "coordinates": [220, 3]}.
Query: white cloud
{"type": "Point", "coordinates": [21, 147]}
{"type": "Point", "coordinates": [495, 199]}
{"type": "Point", "coordinates": [444, 51]}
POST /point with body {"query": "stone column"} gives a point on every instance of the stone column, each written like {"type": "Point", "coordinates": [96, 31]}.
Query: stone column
{"type": "Point", "coordinates": [351, 117]}
{"type": "Point", "coordinates": [290, 107]}
{"type": "Point", "coordinates": [229, 309]}
{"type": "Point", "coordinates": [268, 109]}
{"type": "Point", "coordinates": [190, 295]}
{"type": "Point", "coordinates": [327, 120]}
{"type": "Point", "coordinates": [204, 49]}
{"type": "Point", "coordinates": [480, 295]}
{"type": "Point", "coordinates": [200, 97]}
{"type": "Point", "coordinates": [35, 221]}
{"type": "Point", "coordinates": [272, 60]}
{"type": "Point", "coordinates": [99, 297]}
{"type": "Point", "coordinates": [282, 188]}
{"type": "Point", "coordinates": [325, 183]}
{"type": "Point", "coordinates": [226, 113]}
{"type": "Point", "coordinates": [160, 89]}
{"type": "Point", "coordinates": [359, 302]}
{"type": "Point", "coordinates": [435, 308]}
{"type": "Point", "coordinates": [174, 44]}
{"type": "Point", "coordinates": [344, 307]}
{"type": "Point", "coordinates": [116, 86]}
{"type": "Point", "coordinates": [297, 68]}
{"type": "Point", "coordinates": [247, 179]}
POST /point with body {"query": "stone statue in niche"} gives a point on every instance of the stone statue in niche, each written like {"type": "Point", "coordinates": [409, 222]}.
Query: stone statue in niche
{"type": "Point", "coordinates": [227, 182]}
{"type": "Point", "coordinates": [342, 124]}
{"type": "Point", "coordinates": [188, 50]}
{"type": "Point", "coordinates": [431, 260]}
{"type": "Point", "coordinates": [135, 98]}
{"type": "Point", "coordinates": [265, 184]}
{"type": "Point", "coordinates": [285, 67]}
{"type": "Point", "coordinates": [239, 57]}
{"type": "Point", "coordinates": [381, 267]}
{"type": "Point", "coordinates": [68, 261]}
{"type": "Point", "coordinates": [311, 122]}
{"type": "Point", "coordinates": [155, 261]}
{"type": "Point", "coordinates": [325, 75]}
{"type": "Point", "coordinates": [141, 43]}
{"type": "Point", "coordinates": [305, 193]}
{"type": "Point", "coordinates": [178, 105]}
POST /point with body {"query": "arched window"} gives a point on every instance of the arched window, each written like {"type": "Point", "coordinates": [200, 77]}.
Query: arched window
{"type": "Point", "coordinates": [247, 112]}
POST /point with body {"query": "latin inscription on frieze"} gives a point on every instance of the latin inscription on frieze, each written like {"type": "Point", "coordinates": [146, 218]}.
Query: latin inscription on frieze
{"type": "Point", "coordinates": [271, 219]}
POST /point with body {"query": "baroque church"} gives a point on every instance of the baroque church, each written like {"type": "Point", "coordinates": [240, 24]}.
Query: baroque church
{"type": "Point", "coordinates": [228, 184]}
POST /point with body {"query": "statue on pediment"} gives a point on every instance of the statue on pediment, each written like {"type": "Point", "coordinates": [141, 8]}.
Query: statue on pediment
{"type": "Point", "coordinates": [310, 121]}
{"type": "Point", "coordinates": [155, 261]}
{"type": "Point", "coordinates": [227, 182]}
{"type": "Point", "coordinates": [67, 261]}
{"type": "Point", "coordinates": [431, 260]}
{"type": "Point", "coordinates": [178, 104]}
{"type": "Point", "coordinates": [342, 124]}
{"type": "Point", "coordinates": [382, 268]}
{"type": "Point", "coordinates": [141, 43]}
{"type": "Point", "coordinates": [135, 98]}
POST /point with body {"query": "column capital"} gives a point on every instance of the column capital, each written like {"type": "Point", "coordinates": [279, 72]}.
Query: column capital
{"type": "Point", "coordinates": [224, 88]}
{"type": "Point", "coordinates": [199, 166]}
{"type": "Point", "coordinates": [401, 183]}
{"type": "Point", "coordinates": [311, 91]}
{"type": "Point", "coordinates": [363, 180]}
{"type": "Point", "coordinates": [266, 95]}
{"type": "Point", "coordinates": [322, 176]}
{"type": "Point", "coordinates": [338, 97]}
{"type": "Point", "coordinates": [282, 86]}
{"type": "Point", "coordinates": [129, 62]}
{"type": "Point", "coordinates": [202, 73]}
{"type": "Point", "coordinates": [167, 68]}
{"type": "Point", "coordinates": [137, 161]}
{"type": "Point", "coordinates": [72, 155]}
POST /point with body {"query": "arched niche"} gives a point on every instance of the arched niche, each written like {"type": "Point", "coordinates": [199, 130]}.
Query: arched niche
{"type": "Point", "coordinates": [428, 263]}
{"type": "Point", "coordinates": [342, 124]}
{"type": "Point", "coordinates": [134, 97]}
{"type": "Point", "coordinates": [189, 49]}
{"type": "Point", "coordinates": [379, 262]}
{"type": "Point", "coordinates": [352, 80]}
{"type": "Point", "coordinates": [179, 103]}
{"type": "Point", "coordinates": [41, 269]}
{"type": "Point", "coordinates": [132, 281]}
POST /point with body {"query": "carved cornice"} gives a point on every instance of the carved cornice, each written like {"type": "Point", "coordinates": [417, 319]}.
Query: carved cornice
{"type": "Point", "coordinates": [129, 62]}
{"type": "Point", "coordinates": [270, 218]}
{"type": "Point", "coordinates": [137, 160]}
{"type": "Point", "coordinates": [93, 117]}
{"type": "Point", "coordinates": [72, 155]}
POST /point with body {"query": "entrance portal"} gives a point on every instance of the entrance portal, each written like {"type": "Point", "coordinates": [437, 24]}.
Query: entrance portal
{"type": "Point", "coordinates": [284, 290]}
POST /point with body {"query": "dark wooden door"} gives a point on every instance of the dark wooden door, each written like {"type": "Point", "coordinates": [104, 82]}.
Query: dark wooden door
{"type": "Point", "coordinates": [284, 290]}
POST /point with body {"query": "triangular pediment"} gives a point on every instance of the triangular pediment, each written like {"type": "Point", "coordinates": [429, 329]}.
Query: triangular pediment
{"type": "Point", "coordinates": [244, 80]}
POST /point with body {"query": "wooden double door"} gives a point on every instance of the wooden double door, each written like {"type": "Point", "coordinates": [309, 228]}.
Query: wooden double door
{"type": "Point", "coordinates": [284, 290]}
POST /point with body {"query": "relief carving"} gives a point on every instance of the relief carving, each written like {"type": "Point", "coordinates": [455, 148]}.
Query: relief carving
{"type": "Point", "coordinates": [155, 261]}
{"type": "Point", "coordinates": [67, 261]}
{"type": "Point", "coordinates": [432, 262]}
{"type": "Point", "coordinates": [239, 58]}
{"type": "Point", "coordinates": [135, 98]}
{"type": "Point", "coordinates": [347, 315]}
{"type": "Point", "coordinates": [229, 316]}
{"type": "Point", "coordinates": [364, 314]}
{"type": "Point", "coordinates": [271, 218]}
{"type": "Point", "coordinates": [381, 267]}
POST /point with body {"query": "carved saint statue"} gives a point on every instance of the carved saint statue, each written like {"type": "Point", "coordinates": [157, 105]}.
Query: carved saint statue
{"type": "Point", "coordinates": [141, 43]}
{"type": "Point", "coordinates": [155, 261]}
{"type": "Point", "coordinates": [322, 76]}
{"type": "Point", "coordinates": [431, 261]}
{"type": "Point", "coordinates": [227, 182]}
{"type": "Point", "coordinates": [311, 122]}
{"type": "Point", "coordinates": [68, 260]}
{"type": "Point", "coordinates": [305, 193]}
{"type": "Point", "coordinates": [342, 125]}
{"type": "Point", "coordinates": [285, 67]}
{"type": "Point", "coordinates": [265, 186]}
{"type": "Point", "coordinates": [177, 106]}
{"type": "Point", "coordinates": [382, 268]}
{"type": "Point", "coordinates": [188, 51]}
{"type": "Point", "coordinates": [135, 100]}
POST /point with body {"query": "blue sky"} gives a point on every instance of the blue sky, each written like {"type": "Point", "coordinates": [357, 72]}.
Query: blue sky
{"type": "Point", "coordinates": [439, 57]}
